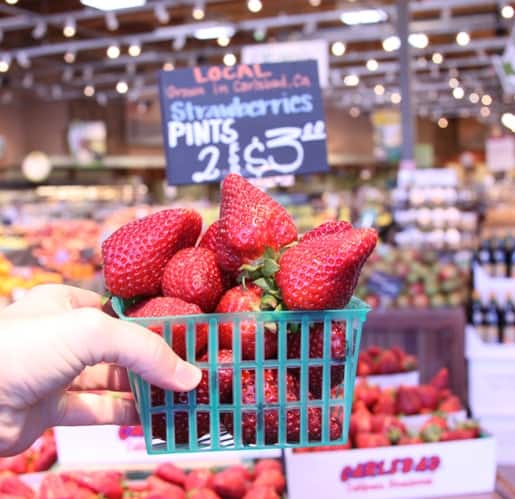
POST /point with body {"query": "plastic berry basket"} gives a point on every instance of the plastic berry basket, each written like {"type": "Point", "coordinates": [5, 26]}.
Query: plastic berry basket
{"type": "Point", "coordinates": [181, 423]}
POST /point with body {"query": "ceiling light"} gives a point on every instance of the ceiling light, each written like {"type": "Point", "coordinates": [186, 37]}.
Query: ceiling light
{"type": "Point", "coordinates": [22, 59]}
{"type": "Point", "coordinates": [254, 5]}
{"type": "Point", "coordinates": [162, 14]}
{"type": "Point", "coordinates": [229, 59]}
{"type": "Point", "coordinates": [122, 87]}
{"type": "Point", "coordinates": [396, 98]}
{"type": "Point", "coordinates": [454, 82]}
{"type": "Point", "coordinates": [89, 90]}
{"type": "Point", "coordinates": [379, 89]}
{"type": "Point", "coordinates": [69, 56]}
{"type": "Point", "coordinates": [507, 12]}
{"type": "Point", "coordinates": [11, 2]}
{"type": "Point", "coordinates": [5, 63]}
{"type": "Point", "coordinates": [486, 100]}
{"type": "Point", "coordinates": [474, 98]}
{"type": "Point", "coordinates": [223, 41]}
{"type": "Point", "coordinates": [366, 16]}
{"type": "Point", "coordinates": [39, 30]}
{"type": "Point", "coordinates": [418, 40]}
{"type": "Point", "coordinates": [355, 111]}
{"type": "Point", "coordinates": [351, 81]}
{"type": "Point", "coordinates": [372, 65]}
{"type": "Point", "coordinates": [392, 43]}
{"type": "Point", "coordinates": [198, 12]}
{"type": "Point", "coordinates": [168, 66]}
{"type": "Point", "coordinates": [458, 93]}
{"type": "Point", "coordinates": [113, 51]}
{"type": "Point", "coordinates": [69, 28]}
{"type": "Point", "coordinates": [259, 34]}
{"type": "Point", "coordinates": [111, 21]}
{"type": "Point", "coordinates": [437, 58]}
{"type": "Point", "coordinates": [463, 38]}
{"type": "Point", "coordinates": [443, 123]}
{"type": "Point", "coordinates": [485, 112]}
{"type": "Point", "coordinates": [338, 48]}
{"type": "Point", "coordinates": [134, 49]}
{"type": "Point", "coordinates": [508, 120]}
{"type": "Point", "coordinates": [113, 4]}
{"type": "Point", "coordinates": [214, 32]}
{"type": "Point", "coordinates": [315, 3]}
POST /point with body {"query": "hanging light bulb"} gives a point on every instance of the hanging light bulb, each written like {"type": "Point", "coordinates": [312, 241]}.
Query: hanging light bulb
{"type": "Point", "coordinates": [5, 63]}
{"type": "Point", "coordinates": [223, 41]}
{"type": "Point", "coordinates": [113, 51]}
{"type": "Point", "coordinates": [437, 58]}
{"type": "Point", "coordinates": [372, 65]}
{"type": "Point", "coordinates": [11, 2]}
{"type": "Point", "coordinates": [69, 28]}
{"type": "Point", "coordinates": [338, 49]}
{"type": "Point", "coordinates": [418, 40]}
{"type": "Point", "coordinates": [254, 5]}
{"type": "Point", "coordinates": [230, 59]}
{"type": "Point", "coordinates": [396, 98]}
{"type": "Point", "coordinates": [507, 12]}
{"type": "Point", "coordinates": [458, 93]}
{"type": "Point", "coordinates": [485, 112]}
{"type": "Point", "coordinates": [122, 87]}
{"type": "Point", "coordinates": [486, 100]}
{"type": "Point", "coordinates": [111, 21]}
{"type": "Point", "coordinates": [315, 3]}
{"type": "Point", "coordinates": [443, 122]}
{"type": "Point", "coordinates": [89, 90]}
{"type": "Point", "coordinates": [474, 98]}
{"type": "Point", "coordinates": [134, 49]}
{"type": "Point", "coordinates": [462, 38]}
{"type": "Point", "coordinates": [39, 30]}
{"type": "Point", "coordinates": [379, 89]}
{"type": "Point", "coordinates": [69, 56]}
{"type": "Point", "coordinates": [351, 80]}
{"type": "Point", "coordinates": [198, 12]}
{"type": "Point", "coordinates": [391, 44]}
{"type": "Point", "coordinates": [454, 83]}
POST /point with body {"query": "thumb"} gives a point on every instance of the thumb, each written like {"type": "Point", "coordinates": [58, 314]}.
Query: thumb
{"type": "Point", "coordinates": [101, 338]}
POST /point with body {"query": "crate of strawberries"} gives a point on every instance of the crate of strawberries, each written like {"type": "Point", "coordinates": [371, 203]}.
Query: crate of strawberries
{"type": "Point", "coordinates": [269, 318]}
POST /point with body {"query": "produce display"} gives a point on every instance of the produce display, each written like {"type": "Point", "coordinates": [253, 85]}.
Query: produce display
{"type": "Point", "coordinates": [409, 278]}
{"type": "Point", "coordinates": [265, 480]}
{"type": "Point", "coordinates": [375, 360]}
{"type": "Point", "coordinates": [155, 263]}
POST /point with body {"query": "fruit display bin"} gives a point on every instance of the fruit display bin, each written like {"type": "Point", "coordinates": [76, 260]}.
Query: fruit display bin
{"type": "Point", "coordinates": [225, 425]}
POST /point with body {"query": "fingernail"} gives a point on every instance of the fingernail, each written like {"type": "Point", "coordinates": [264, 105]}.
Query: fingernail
{"type": "Point", "coordinates": [187, 376]}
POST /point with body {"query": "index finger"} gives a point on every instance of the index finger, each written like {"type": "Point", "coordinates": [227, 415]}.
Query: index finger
{"type": "Point", "coordinates": [53, 298]}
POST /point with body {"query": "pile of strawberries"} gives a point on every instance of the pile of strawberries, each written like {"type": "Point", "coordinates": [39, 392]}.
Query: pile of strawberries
{"type": "Point", "coordinates": [249, 260]}
{"type": "Point", "coordinates": [375, 360]}
{"type": "Point", "coordinates": [264, 481]}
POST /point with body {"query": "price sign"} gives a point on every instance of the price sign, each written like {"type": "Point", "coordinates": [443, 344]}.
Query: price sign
{"type": "Point", "coordinates": [256, 120]}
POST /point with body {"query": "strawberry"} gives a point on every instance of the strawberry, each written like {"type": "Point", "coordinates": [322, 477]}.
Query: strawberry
{"type": "Point", "coordinates": [108, 484]}
{"type": "Point", "coordinates": [209, 238]}
{"type": "Point", "coordinates": [267, 464]}
{"type": "Point", "coordinates": [365, 367]}
{"type": "Point", "coordinates": [164, 306]}
{"type": "Point", "coordinates": [452, 404]}
{"type": "Point", "coordinates": [386, 403]}
{"type": "Point", "coordinates": [409, 440]}
{"type": "Point", "coordinates": [199, 479]}
{"type": "Point", "coordinates": [160, 489]}
{"type": "Point", "coordinates": [230, 483]}
{"type": "Point", "coordinates": [136, 254]}
{"type": "Point", "coordinates": [408, 400]}
{"type": "Point", "coordinates": [245, 299]}
{"type": "Point", "coordinates": [322, 273]}
{"type": "Point", "coordinates": [202, 493]}
{"type": "Point", "coordinates": [225, 377]}
{"type": "Point", "coordinates": [371, 440]}
{"type": "Point", "coordinates": [327, 228]}
{"type": "Point", "coordinates": [428, 397]}
{"type": "Point", "coordinates": [369, 394]}
{"type": "Point", "coordinates": [383, 423]}
{"type": "Point", "coordinates": [360, 422]}
{"type": "Point", "coordinates": [261, 492]}
{"type": "Point", "coordinates": [441, 379]}
{"type": "Point", "coordinates": [387, 363]}
{"type": "Point", "coordinates": [271, 478]}
{"type": "Point", "coordinates": [374, 351]}
{"type": "Point", "coordinates": [171, 473]}
{"type": "Point", "coordinates": [192, 274]}
{"type": "Point", "coordinates": [250, 221]}
{"type": "Point", "coordinates": [471, 427]}
{"type": "Point", "coordinates": [12, 486]}
{"type": "Point", "coordinates": [316, 350]}
{"type": "Point", "coordinates": [437, 421]}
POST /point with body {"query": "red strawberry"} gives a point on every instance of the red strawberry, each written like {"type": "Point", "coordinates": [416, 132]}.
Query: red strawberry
{"type": "Point", "coordinates": [192, 274]}
{"type": "Point", "coordinates": [171, 473]}
{"type": "Point", "coordinates": [386, 403]}
{"type": "Point", "coordinates": [322, 273]}
{"type": "Point", "coordinates": [374, 351]}
{"type": "Point", "coordinates": [370, 440]}
{"type": "Point", "coordinates": [230, 483]}
{"type": "Point", "coordinates": [225, 377]}
{"type": "Point", "coordinates": [271, 478]}
{"type": "Point", "coordinates": [452, 404]}
{"type": "Point", "coordinates": [471, 427]}
{"type": "Point", "coordinates": [53, 486]}
{"type": "Point", "coordinates": [209, 238]}
{"type": "Point", "coordinates": [14, 487]}
{"type": "Point", "coordinates": [387, 363]}
{"type": "Point", "coordinates": [136, 254]}
{"type": "Point", "coordinates": [163, 306]}
{"type": "Point", "coordinates": [105, 483]}
{"type": "Point", "coordinates": [365, 367]}
{"type": "Point", "coordinates": [159, 489]}
{"type": "Point", "coordinates": [369, 394]}
{"type": "Point", "coordinates": [383, 423]}
{"type": "Point", "coordinates": [408, 400]}
{"type": "Point", "coordinates": [441, 379]}
{"type": "Point", "coordinates": [244, 299]}
{"type": "Point", "coordinates": [261, 492]}
{"type": "Point", "coordinates": [327, 228]}
{"type": "Point", "coordinates": [267, 464]}
{"type": "Point", "coordinates": [410, 441]}
{"type": "Point", "coordinates": [428, 396]}
{"type": "Point", "coordinates": [203, 493]}
{"type": "Point", "coordinates": [199, 479]}
{"type": "Point", "coordinates": [437, 421]}
{"type": "Point", "coordinates": [250, 221]}
{"type": "Point", "coordinates": [17, 464]}
{"type": "Point", "coordinates": [360, 422]}
{"type": "Point", "coordinates": [316, 350]}
{"type": "Point", "coordinates": [409, 363]}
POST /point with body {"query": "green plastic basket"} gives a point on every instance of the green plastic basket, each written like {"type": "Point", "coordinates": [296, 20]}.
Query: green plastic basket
{"type": "Point", "coordinates": [179, 423]}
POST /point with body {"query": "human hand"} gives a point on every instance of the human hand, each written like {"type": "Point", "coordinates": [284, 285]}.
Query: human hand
{"type": "Point", "coordinates": [56, 343]}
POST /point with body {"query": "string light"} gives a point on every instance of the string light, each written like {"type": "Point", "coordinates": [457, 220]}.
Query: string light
{"type": "Point", "coordinates": [454, 83]}
{"type": "Point", "coordinates": [474, 98]}
{"type": "Point", "coordinates": [5, 63]}
{"type": "Point", "coordinates": [437, 58]}
{"type": "Point", "coordinates": [11, 2]}
{"type": "Point", "coordinates": [485, 112]}
{"type": "Point", "coordinates": [391, 44]}
{"type": "Point", "coordinates": [486, 100]}
{"type": "Point", "coordinates": [379, 89]}
{"type": "Point", "coordinates": [229, 59]}
{"type": "Point", "coordinates": [69, 28]}
{"type": "Point", "coordinates": [198, 12]}
{"type": "Point", "coordinates": [89, 90]}
{"type": "Point", "coordinates": [113, 51]}
{"type": "Point", "coordinates": [463, 38]}
{"type": "Point", "coordinates": [418, 40]}
{"type": "Point", "coordinates": [458, 93]}
{"type": "Point", "coordinates": [507, 12]}
{"type": "Point", "coordinates": [372, 65]}
{"type": "Point", "coordinates": [396, 98]}
{"type": "Point", "coordinates": [223, 41]}
{"type": "Point", "coordinates": [351, 81]}
{"type": "Point", "coordinates": [122, 87]}
{"type": "Point", "coordinates": [443, 123]}
{"type": "Point", "coordinates": [134, 49]}
{"type": "Point", "coordinates": [69, 56]}
{"type": "Point", "coordinates": [254, 5]}
{"type": "Point", "coordinates": [338, 49]}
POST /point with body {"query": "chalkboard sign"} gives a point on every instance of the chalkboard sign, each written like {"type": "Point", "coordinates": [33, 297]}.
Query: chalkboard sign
{"type": "Point", "coordinates": [256, 120]}
{"type": "Point", "coordinates": [385, 284]}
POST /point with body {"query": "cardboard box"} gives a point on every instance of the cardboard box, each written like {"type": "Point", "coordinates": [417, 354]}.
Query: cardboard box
{"type": "Point", "coordinates": [401, 472]}
{"type": "Point", "coordinates": [411, 378]}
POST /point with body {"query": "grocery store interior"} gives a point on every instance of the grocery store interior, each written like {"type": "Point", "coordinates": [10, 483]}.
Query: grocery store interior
{"type": "Point", "coordinates": [418, 100]}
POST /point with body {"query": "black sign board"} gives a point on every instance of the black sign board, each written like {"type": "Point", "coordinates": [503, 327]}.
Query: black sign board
{"type": "Point", "coordinates": [385, 284]}
{"type": "Point", "coordinates": [256, 120]}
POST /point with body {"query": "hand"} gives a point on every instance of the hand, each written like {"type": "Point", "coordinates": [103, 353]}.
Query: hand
{"type": "Point", "coordinates": [56, 343]}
